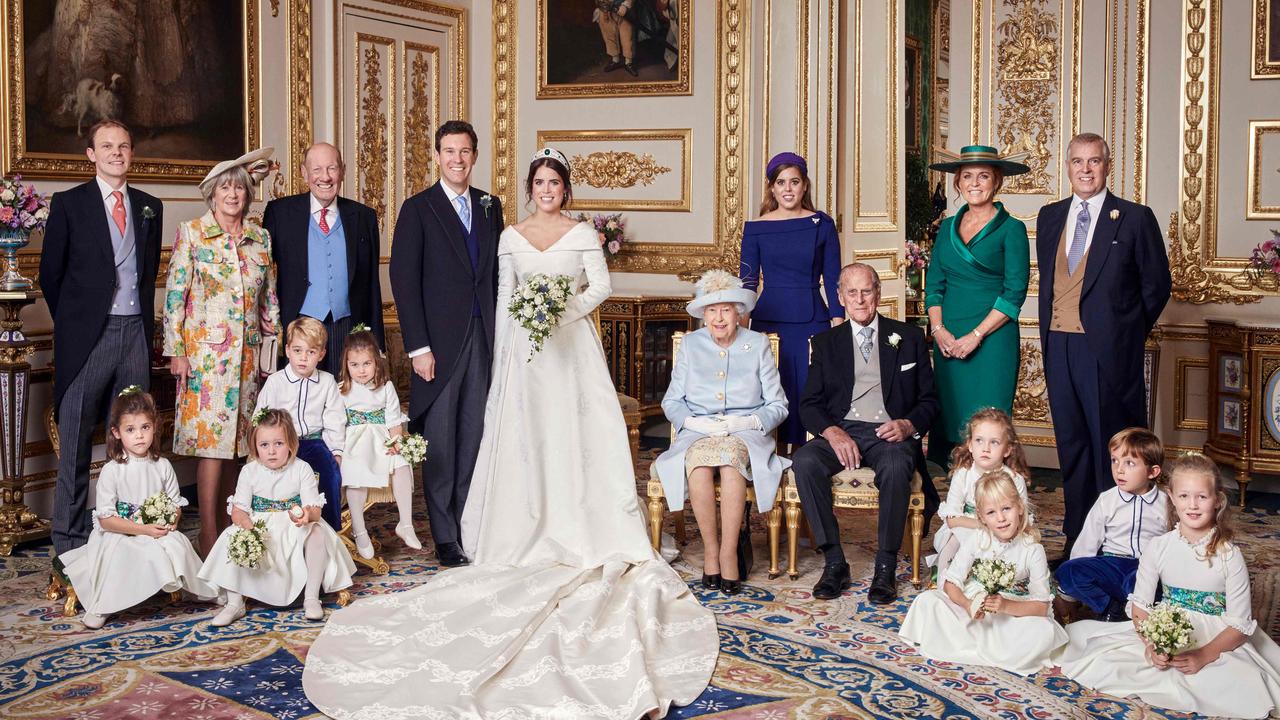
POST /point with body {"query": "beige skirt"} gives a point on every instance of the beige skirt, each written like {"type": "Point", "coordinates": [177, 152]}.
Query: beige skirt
{"type": "Point", "coordinates": [718, 452]}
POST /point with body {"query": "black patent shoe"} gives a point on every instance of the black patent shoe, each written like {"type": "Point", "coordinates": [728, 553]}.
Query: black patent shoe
{"type": "Point", "coordinates": [450, 554]}
{"type": "Point", "coordinates": [711, 582]}
{"type": "Point", "coordinates": [835, 578]}
{"type": "Point", "coordinates": [884, 584]}
{"type": "Point", "coordinates": [1115, 612]}
{"type": "Point", "coordinates": [730, 587]}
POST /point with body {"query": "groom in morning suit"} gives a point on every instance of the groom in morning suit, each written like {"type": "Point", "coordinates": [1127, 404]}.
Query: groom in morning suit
{"type": "Point", "coordinates": [98, 270]}
{"type": "Point", "coordinates": [444, 277]}
{"type": "Point", "coordinates": [868, 399]}
{"type": "Point", "coordinates": [326, 252]}
{"type": "Point", "coordinates": [1104, 280]}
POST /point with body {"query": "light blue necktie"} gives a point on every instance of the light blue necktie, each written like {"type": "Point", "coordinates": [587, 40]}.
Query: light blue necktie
{"type": "Point", "coordinates": [1076, 251]}
{"type": "Point", "coordinates": [865, 345]}
{"type": "Point", "coordinates": [464, 211]}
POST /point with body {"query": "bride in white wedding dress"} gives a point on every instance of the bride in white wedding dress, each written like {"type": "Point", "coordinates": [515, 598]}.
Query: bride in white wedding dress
{"type": "Point", "coordinates": [567, 612]}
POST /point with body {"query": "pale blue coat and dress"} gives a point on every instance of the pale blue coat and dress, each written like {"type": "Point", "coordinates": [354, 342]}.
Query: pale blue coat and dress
{"type": "Point", "coordinates": [741, 380]}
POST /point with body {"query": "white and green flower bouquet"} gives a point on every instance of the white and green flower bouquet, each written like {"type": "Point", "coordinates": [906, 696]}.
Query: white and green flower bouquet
{"type": "Point", "coordinates": [538, 305]}
{"type": "Point", "coordinates": [1168, 629]}
{"type": "Point", "coordinates": [413, 448]}
{"type": "Point", "coordinates": [159, 509]}
{"type": "Point", "coordinates": [249, 546]}
{"type": "Point", "coordinates": [993, 574]}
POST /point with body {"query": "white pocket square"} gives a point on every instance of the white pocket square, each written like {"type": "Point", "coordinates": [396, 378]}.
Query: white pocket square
{"type": "Point", "coordinates": [908, 366]}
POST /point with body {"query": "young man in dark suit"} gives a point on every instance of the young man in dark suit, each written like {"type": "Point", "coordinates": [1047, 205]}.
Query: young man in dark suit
{"type": "Point", "coordinates": [326, 250]}
{"type": "Point", "coordinates": [98, 270]}
{"type": "Point", "coordinates": [444, 277]}
{"type": "Point", "coordinates": [868, 399]}
{"type": "Point", "coordinates": [1104, 279]}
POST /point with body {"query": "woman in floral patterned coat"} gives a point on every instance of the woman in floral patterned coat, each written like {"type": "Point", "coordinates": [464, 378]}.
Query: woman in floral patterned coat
{"type": "Point", "coordinates": [220, 302]}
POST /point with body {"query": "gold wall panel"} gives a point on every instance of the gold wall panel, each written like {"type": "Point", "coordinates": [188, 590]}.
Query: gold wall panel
{"type": "Point", "coordinates": [864, 219]}
{"type": "Point", "coordinates": [1181, 420]}
{"type": "Point", "coordinates": [504, 181]}
{"type": "Point", "coordinates": [1027, 42]}
{"type": "Point", "coordinates": [421, 114]}
{"type": "Point", "coordinates": [301, 128]}
{"type": "Point", "coordinates": [624, 165]}
{"type": "Point", "coordinates": [1263, 67]}
{"type": "Point", "coordinates": [1260, 133]}
{"type": "Point", "coordinates": [376, 81]}
{"type": "Point", "coordinates": [1031, 397]}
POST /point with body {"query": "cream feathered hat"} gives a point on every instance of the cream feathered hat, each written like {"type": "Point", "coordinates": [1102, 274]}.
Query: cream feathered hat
{"type": "Point", "coordinates": [718, 286]}
{"type": "Point", "coordinates": [257, 163]}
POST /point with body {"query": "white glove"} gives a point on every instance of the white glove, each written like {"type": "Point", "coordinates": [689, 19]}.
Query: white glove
{"type": "Point", "coordinates": [736, 423]}
{"type": "Point", "coordinates": [707, 425]}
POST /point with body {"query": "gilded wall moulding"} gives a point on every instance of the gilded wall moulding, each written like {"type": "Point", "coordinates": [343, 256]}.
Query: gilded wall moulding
{"type": "Point", "coordinates": [371, 124]}
{"type": "Point", "coordinates": [1031, 397]}
{"type": "Point", "coordinates": [301, 128]}
{"type": "Point", "coordinates": [421, 114]}
{"type": "Point", "coordinates": [504, 181]}
{"type": "Point", "coordinates": [1026, 53]}
{"type": "Point", "coordinates": [1266, 52]}
{"type": "Point", "coordinates": [1259, 131]}
{"type": "Point", "coordinates": [1180, 405]}
{"type": "Point", "coordinates": [617, 169]}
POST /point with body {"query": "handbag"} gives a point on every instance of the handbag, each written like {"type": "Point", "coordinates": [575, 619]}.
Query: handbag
{"type": "Point", "coordinates": [745, 559]}
{"type": "Point", "coordinates": [268, 354]}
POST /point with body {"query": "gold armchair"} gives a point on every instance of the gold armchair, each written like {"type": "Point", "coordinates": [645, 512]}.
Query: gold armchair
{"type": "Point", "coordinates": [657, 501]}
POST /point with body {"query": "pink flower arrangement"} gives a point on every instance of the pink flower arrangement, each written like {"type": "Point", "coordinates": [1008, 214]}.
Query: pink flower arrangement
{"type": "Point", "coordinates": [917, 256]}
{"type": "Point", "coordinates": [1266, 257]}
{"type": "Point", "coordinates": [612, 231]}
{"type": "Point", "coordinates": [21, 207]}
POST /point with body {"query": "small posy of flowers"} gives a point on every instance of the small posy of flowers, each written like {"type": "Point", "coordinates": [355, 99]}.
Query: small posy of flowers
{"type": "Point", "coordinates": [486, 201]}
{"type": "Point", "coordinates": [538, 304]}
{"type": "Point", "coordinates": [894, 339]}
{"type": "Point", "coordinates": [612, 231]}
{"type": "Point", "coordinates": [21, 207]}
{"type": "Point", "coordinates": [413, 448]}
{"type": "Point", "coordinates": [159, 509]}
{"type": "Point", "coordinates": [1266, 256]}
{"type": "Point", "coordinates": [1167, 628]}
{"type": "Point", "coordinates": [249, 546]}
{"type": "Point", "coordinates": [993, 574]}
{"type": "Point", "coordinates": [917, 256]}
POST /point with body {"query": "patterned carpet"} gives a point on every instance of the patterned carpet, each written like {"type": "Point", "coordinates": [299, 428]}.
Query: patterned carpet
{"type": "Point", "coordinates": [783, 655]}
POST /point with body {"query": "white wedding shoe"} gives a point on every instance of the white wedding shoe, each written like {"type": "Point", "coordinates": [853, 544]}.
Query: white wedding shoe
{"type": "Point", "coordinates": [230, 613]}
{"type": "Point", "coordinates": [312, 609]}
{"type": "Point", "coordinates": [92, 621]}
{"type": "Point", "coordinates": [405, 532]}
{"type": "Point", "coordinates": [363, 546]}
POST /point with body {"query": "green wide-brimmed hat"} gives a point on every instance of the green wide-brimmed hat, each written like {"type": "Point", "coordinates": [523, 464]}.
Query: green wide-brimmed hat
{"type": "Point", "coordinates": [981, 155]}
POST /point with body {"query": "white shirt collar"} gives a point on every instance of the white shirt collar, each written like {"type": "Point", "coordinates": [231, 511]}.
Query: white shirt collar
{"type": "Point", "coordinates": [315, 205]}
{"type": "Point", "coordinates": [1095, 202]}
{"type": "Point", "coordinates": [293, 377]}
{"type": "Point", "coordinates": [1151, 495]}
{"type": "Point", "coordinates": [106, 189]}
{"type": "Point", "coordinates": [874, 325]}
{"type": "Point", "coordinates": [453, 196]}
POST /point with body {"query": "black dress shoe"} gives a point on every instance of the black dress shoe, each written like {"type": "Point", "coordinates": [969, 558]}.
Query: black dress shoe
{"type": "Point", "coordinates": [834, 580]}
{"type": "Point", "coordinates": [711, 582]}
{"type": "Point", "coordinates": [450, 554]}
{"type": "Point", "coordinates": [612, 65]}
{"type": "Point", "coordinates": [730, 587]}
{"type": "Point", "coordinates": [631, 69]}
{"type": "Point", "coordinates": [1114, 612]}
{"type": "Point", "coordinates": [884, 583]}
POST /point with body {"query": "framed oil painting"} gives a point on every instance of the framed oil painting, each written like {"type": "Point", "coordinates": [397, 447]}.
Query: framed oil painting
{"type": "Point", "coordinates": [613, 48]}
{"type": "Point", "coordinates": [181, 76]}
{"type": "Point", "coordinates": [1266, 39]}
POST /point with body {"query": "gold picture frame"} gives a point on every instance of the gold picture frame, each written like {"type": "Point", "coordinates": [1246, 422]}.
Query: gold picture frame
{"type": "Point", "coordinates": [45, 149]}
{"type": "Point", "coordinates": [621, 168]}
{"type": "Point", "coordinates": [1257, 208]}
{"type": "Point", "coordinates": [564, 71]}
{"type": "Point", "coordinates": [1266, 39]}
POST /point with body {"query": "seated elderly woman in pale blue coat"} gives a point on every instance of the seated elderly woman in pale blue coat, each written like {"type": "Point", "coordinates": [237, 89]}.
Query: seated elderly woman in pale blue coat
{"type": "Point", "coordinates": [724, 400]}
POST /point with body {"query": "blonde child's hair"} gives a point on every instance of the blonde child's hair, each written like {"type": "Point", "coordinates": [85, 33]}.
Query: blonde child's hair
{"type": "Point", "coordinates": [133, 401]}
{"type": "Point", "coordinates": [269, 418]}
{"type": "Point", "coordinates": [363, 340]}
{"type": "Point", "coordinates": [309, 330]}
{"type": "Point", "coordinates": [1195, 463]}
{"type": "Point", "coordinates": [1017, 460]}
{"type": "Point", "coordinates": [1142, 444]}
{"type": "Point", "coordinates": [996, 485]}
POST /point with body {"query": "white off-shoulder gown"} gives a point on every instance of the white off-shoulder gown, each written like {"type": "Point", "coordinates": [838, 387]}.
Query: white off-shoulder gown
{"type": "Point", "coordinates": [566, 612]}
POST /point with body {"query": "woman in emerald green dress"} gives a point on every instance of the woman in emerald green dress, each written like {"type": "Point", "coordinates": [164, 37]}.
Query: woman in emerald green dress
{"type": "Point", "coordinates": [974, 289]}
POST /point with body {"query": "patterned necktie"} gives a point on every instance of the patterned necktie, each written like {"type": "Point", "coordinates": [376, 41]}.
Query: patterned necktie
{"type": "Point", "coordinates": [324, 222]}
{"type": "Point", "coordinates": [1076, 252]}
{"type": "Point", "coordinates": [464, 211]}
{"type": "Point", "coordinates": [117, 211]}
{"type": "Point", "coordinates": [865, 345]}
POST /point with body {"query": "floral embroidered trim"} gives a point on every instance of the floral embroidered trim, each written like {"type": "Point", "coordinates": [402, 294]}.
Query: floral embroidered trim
{"type": "Point", "coordinates": [371, 417]}
{"type": "Point", "coordinates": [1202, 601]}
{"type": "Point", "coordinates": [261, 504]}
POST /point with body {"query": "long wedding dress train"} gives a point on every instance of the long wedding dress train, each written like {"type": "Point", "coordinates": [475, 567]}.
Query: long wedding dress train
{"type": "Point", "coordinates": [567, 611]}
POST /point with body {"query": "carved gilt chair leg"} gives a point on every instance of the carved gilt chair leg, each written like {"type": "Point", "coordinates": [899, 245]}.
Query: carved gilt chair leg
{"type": "Point", "coordinates": [655, 521]}
{"type": "Point", "coordinates": [344, 598]}
{"type": "Point", "coordinates": [69, 607]}
{"type": "Point", "coordinates": [917, 532]}
{"type": "Point", "coordinates": [793, 538]}
{"type": "Point", "coordinates": [775, 531]}
{"type": "Point", "coordinates": [54, 591]}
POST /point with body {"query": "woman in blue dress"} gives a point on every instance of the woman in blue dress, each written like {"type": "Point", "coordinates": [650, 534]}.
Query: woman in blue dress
{"type": "Point", "coordinates": [793, 246]}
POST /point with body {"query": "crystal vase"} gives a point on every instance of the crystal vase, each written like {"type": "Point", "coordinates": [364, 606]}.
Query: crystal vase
{"type": "Point", "coordinates": [11, 241]}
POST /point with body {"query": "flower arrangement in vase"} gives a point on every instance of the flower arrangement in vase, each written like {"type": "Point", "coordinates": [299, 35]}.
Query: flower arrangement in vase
{"type": "Point", "coordinates": [22, 212]}
{"type": "Point", "coordinates": [612, 231]}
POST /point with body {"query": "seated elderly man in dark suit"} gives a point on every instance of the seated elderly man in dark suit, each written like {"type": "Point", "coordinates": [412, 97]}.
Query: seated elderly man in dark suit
{"type": "Point", "coordinates": [868, 399]}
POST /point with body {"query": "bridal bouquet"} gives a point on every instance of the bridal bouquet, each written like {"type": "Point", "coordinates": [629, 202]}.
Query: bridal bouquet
{"type": "Point", "coordinates": [1167, 628]}
{"type": "Point", "coordinates": [413, 448]}
{"type": "Point", "coordinates": [159, 509]}
{"type": "Point", "coordinates": [538, 305]}
{"type": "Point", "coordinates": [994, 575]}
{"type": "Point", "coordinates": [249, 546]}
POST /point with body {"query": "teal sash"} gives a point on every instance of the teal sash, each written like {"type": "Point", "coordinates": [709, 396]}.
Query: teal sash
{"type": "Point", "coordinates": [261, 504]}
{"type": "Point", "coordinates": [372, 417]}
{"type": "Point", "coordinates": [1201, 601]}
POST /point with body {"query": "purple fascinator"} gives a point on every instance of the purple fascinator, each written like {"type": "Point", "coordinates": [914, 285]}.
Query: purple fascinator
{"type": "Point", "coordinates": [786, 158]}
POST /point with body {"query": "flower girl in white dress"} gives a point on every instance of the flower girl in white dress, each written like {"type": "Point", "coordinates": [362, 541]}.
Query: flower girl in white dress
{"type": "Point", "coordinates": [125, 561]}
{"type": "Point", "coordinates": [301, 553]}
{"type": "Point", "coordinates": [1232, 668]}
{"type": "Point", "coordinates": [1011, 629]}
{"type": "Point", "coordinates": [373, 417]}
{"type": "Point", "coordinates": [991, 443]}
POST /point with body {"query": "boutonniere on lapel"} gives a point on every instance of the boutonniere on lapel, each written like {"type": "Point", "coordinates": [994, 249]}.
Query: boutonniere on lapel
{"type": "Point", "coordinates": [147, 212]}
{"type": "Point", "coordinates": [1115, 214]}
{"type": "Point", "coordinates": [486, 201]}
{"type": "Point", "coordinates": [894, 339]}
